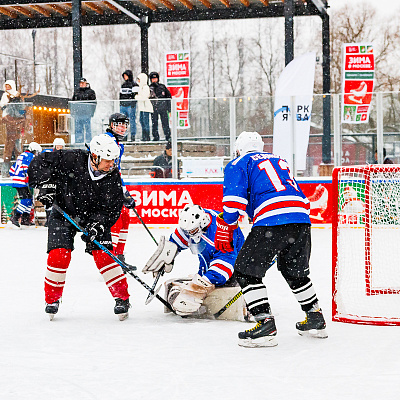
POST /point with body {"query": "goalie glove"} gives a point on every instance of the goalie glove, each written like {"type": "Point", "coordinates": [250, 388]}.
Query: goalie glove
{"type": "Point", "coordinates": [192, 295]}
{"type": "Point", "coordinates": [224, 235]}
{"type": "Point", "coordinates": [163, 257]}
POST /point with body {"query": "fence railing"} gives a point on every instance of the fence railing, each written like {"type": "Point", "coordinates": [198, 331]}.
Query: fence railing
{"type": "Point", "coordinates": [220, 120]}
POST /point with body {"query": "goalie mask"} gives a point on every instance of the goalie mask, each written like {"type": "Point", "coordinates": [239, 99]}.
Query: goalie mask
{"type": "Point", "coordinates": [193, 220]}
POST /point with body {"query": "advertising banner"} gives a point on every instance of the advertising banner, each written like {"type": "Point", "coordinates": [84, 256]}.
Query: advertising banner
{"type": "Point", "coordinates": [160, 204]}
{"type": "Point", "coordinates": [358, 73]}
{"type": "Point", "coordinates": [177, 72]}
{"type": "Point", "coordinates": [292, 121]}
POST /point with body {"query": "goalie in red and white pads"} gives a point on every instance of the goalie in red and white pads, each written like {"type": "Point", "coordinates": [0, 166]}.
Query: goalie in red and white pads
{"type": "Point", "coordinates": [196, 294]}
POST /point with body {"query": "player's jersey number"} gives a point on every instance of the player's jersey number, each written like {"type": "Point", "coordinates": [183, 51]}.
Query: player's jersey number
{"type": "Point", "coordinates": [275, 176]}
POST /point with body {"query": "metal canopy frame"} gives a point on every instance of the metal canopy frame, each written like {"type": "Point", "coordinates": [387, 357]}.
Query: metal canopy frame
{"type": "Point", "coordinates": [34, 14]}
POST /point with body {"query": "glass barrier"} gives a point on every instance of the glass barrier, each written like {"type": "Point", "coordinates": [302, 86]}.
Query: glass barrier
{"type": "Point", "coordinates": [208, 130]}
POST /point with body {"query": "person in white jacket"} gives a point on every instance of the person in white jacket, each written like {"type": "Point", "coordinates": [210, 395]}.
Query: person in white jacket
{"type": "Point", "coordinates": [144, 105]}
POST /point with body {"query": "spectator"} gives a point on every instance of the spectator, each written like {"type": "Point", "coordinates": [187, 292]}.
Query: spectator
{"type": "Point", "coordinates": [84, 111]}
{"type": "Point", "coordinates": [161, 107]}
{"type": "Point", "coordinates": [386, 160]}
{"type": "Point", "coordinates": [145, 106]}
{"type": "Point", "coordinates": [164, 164]}
{"type": "Point", "coordinates": [127, 93]}
{"type": "Point", "coordinates": [13, 117]}
{"type": "Point", "coordinates": [19, 173]}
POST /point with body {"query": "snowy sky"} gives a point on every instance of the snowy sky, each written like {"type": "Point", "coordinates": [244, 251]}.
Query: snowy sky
{"type": "Point", "coordinates": [385, 6]}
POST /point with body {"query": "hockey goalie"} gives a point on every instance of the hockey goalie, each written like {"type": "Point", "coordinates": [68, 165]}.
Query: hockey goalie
{"type": "Point", "coordinates": [205, 293]}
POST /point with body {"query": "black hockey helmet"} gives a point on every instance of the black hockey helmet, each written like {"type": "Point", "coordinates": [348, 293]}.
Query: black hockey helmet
{"type": "Point", "coordinates": [154, 75]}
{"type": "Point", "coordinates": [118, 117]}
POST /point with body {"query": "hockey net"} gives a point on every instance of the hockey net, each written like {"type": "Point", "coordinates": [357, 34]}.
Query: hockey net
{"type": "Point", "coordinates": [366, 244]}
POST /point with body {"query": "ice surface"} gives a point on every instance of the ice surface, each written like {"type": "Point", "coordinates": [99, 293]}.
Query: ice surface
{"type": "Point", "coordinates": [87, 353]}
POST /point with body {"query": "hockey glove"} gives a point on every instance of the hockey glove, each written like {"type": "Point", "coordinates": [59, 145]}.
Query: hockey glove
{"type": "Point", "coordinates": [224, 235]}
{"type": "Point", "coordinates": [47, 194]}
{"type": "Point", "coordinates": [163, 257]}
{"type": "Point", "coordinates": [129, 201]}
{"type": "Point", "coordinates": [94, 231]}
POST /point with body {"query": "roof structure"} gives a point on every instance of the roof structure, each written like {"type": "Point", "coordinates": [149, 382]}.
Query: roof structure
{"type": "Point", "coordinates": [22, 14]}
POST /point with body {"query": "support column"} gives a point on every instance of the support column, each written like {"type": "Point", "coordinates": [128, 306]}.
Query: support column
{"type": "Point", "coordinates": [326, 89]}
{"type": "Point", "coordinates": [144, 44]}
{"type": "Point", "coordinates": [288, 11]}
{"type": "Point", "coordinates": [77, 40]}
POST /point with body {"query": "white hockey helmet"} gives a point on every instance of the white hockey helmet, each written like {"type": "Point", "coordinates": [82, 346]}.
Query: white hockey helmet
{"type": "Point", "coordinates": [193, 220]}
{"type": "Point", "coordinates": [35, 147]}
{"type": "Point", "coordinates": [248, 142]}
{"type": "Point", "coordinates": [105, 148]}
{"type": "Point", "coordinates": [58, 142]}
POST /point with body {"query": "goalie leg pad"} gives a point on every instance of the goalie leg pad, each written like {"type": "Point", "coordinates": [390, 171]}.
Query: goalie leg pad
{"type": "Point", "coordinates": [191, 297]}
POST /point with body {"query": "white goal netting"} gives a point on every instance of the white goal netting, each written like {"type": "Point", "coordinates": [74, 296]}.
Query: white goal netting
{"type": "Point", "coordinates": [366, 244]}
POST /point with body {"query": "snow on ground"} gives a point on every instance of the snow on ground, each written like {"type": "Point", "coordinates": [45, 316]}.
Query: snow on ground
{"type": "Point", "coordinates": [87, 353]}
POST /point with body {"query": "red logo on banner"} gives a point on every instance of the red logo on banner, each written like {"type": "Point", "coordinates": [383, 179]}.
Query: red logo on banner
{"type": "Point", "coordinates": [351, 49]}
{"type": "Point", "coordinates": [360, 62]}
{"type": "Point", "coordinates": [178, 69]}
{"type": "Point", "coordinates": [357, 92]}
{"type": "Point", "coordinates": [172, 57]}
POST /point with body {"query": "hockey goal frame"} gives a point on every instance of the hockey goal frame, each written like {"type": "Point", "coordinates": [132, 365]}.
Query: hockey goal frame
{"type": "Point", "coordinates": [364, 172]}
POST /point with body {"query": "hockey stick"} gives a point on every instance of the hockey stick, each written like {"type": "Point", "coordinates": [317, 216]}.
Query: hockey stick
{"type": "Point", "coordinates": [160, 273]}
{"type": "Point", "coordinates": [237, 295]}
{"type": "Point", "coordinates": [118, 261]}
{"type": "Point", "coordinates": [227, 305]}
{"type": "Point", "coordinates": [147, 229]}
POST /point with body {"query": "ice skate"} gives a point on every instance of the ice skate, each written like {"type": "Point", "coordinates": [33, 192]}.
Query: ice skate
{"type": "Point", "coordinates": [261, 335]}
{"type": "Point", "coordinates": [121, 308]}
{"type": "Point", "coordinates": [52, 309]}
{"type": "Point", "coordinates": [121, 257]}
{"type": "Point", "coordinates": [26, 222]}
{"type": "Point", "coordinates": [314, 325]}
{"type": "Point", "coordinates": [14, 222]}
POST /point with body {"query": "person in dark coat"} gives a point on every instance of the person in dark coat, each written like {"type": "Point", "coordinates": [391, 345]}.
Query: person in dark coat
{"type": "Point", "coordinates": [87, 186]}
{"type": "Point", "coordinates": [127, 103]}
{"type": "Point", "coordinates": [83, 112]}
{"type": "Point", "coordinates": [386, 159]}
{"type": "Point", "coordinates": [160, 96]}
{"type": "Point", "coordinates": [164, 162]}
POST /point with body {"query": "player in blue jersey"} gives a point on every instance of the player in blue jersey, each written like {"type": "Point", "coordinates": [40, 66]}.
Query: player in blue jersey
{"type": "Point", "coordinates": [196, 231]}
{"type": "Point", "coordinates": [19, 174]}
{"type": "Point", "coordinates": [118, 125]}
{"type": "Point", "coordinates": [262, 185]}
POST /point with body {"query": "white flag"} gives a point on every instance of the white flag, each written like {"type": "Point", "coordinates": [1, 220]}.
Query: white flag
{"type": "Point", "coordinates": [292, 110]}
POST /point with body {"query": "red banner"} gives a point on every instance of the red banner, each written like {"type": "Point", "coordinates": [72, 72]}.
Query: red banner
{"type": "Point", "coordinates": [160, 203]}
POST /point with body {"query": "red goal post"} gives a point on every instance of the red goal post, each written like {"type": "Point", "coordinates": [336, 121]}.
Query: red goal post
{"type": "Point", "coordinates": [366, 244]}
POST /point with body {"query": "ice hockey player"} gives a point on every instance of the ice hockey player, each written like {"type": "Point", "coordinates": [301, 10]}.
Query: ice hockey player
{"type": "Point", "coordinates": [58, 144]}
{"type": "Point", "coordinates": [19, 175]}
{"type": "Point", "coordinates": [87, 186]}
{"type": "Point", "coordinates": [262, 185]}
{"type": "Point", "coordinates": [196, 230]}
{"type": "Point", "coordinates": [118, 126]}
